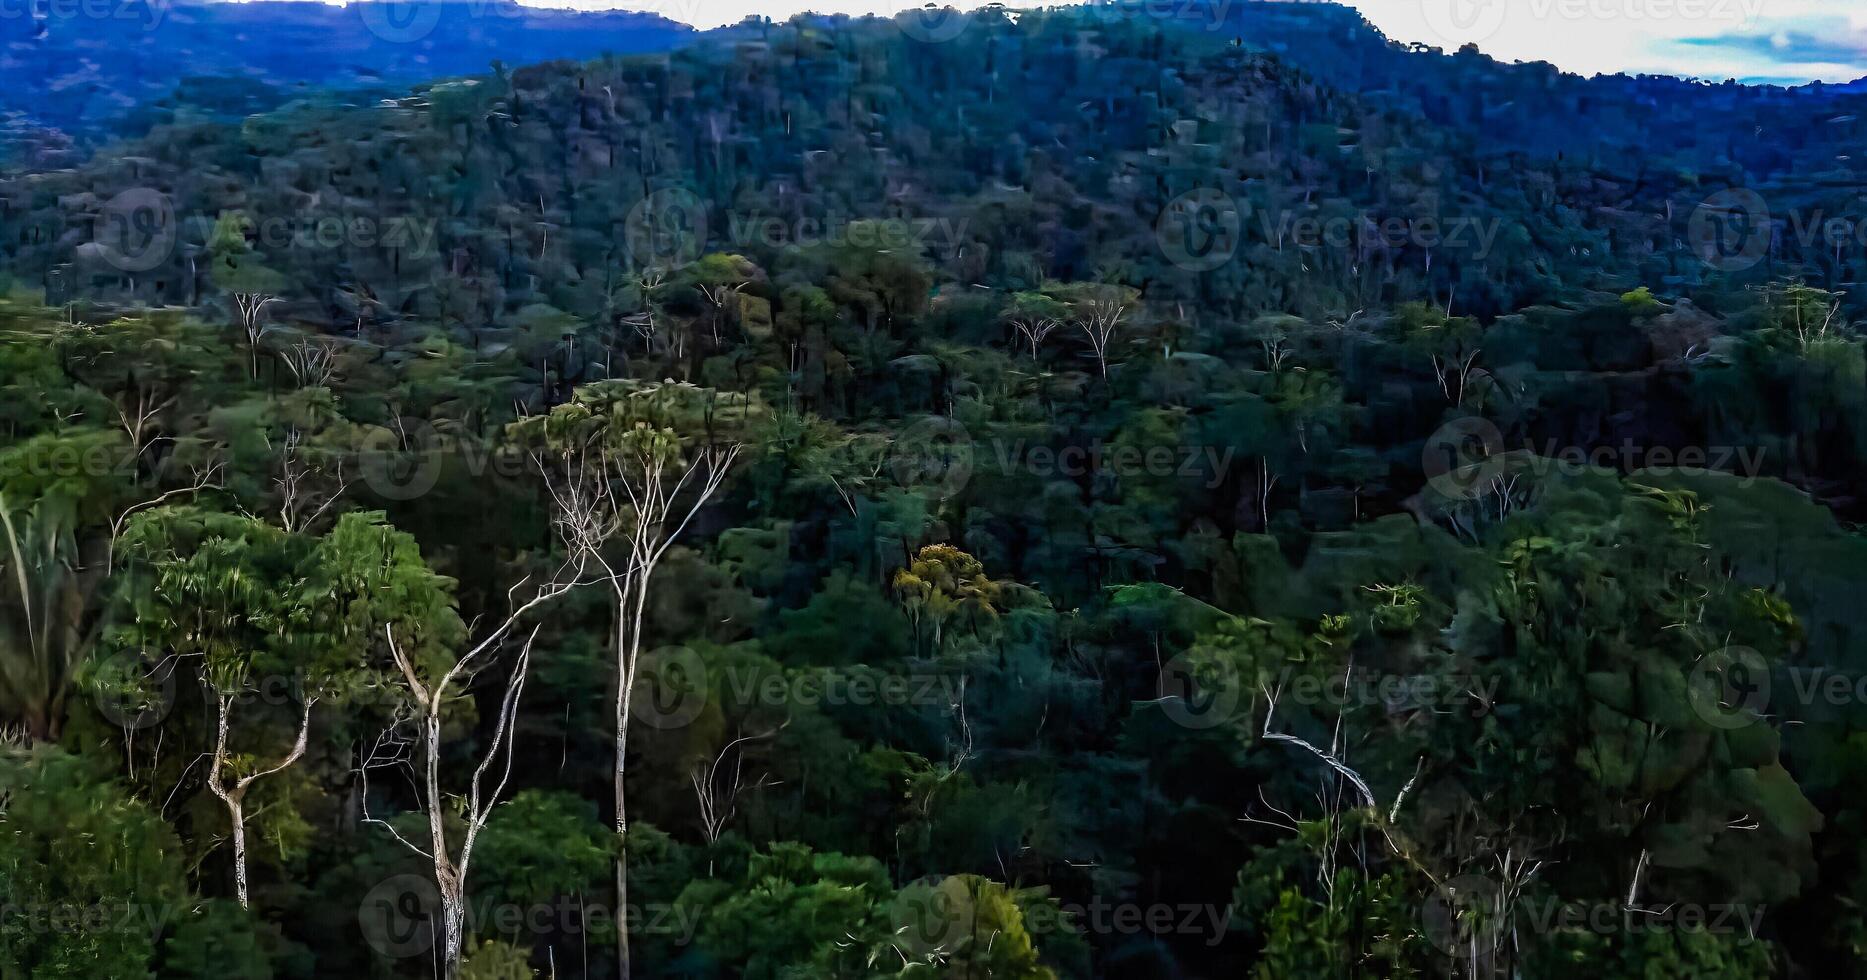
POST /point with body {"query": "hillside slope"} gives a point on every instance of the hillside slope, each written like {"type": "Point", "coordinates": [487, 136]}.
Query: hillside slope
{"type": "Point", "coordinates": [90, 69]}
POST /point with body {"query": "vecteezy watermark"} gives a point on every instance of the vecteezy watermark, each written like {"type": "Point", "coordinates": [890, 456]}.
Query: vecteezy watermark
{"type": "Point", "coordinates": [939, 454]}
{"type": "Point", "coordinates": [413, 236]}
{"type": "Point", "coordinates": [1204, 229]}
{"type": "Point", "coordinates": [1206, 693]}
{"type": "Point", "coordinates": [149, 13]}
{"type": "Point", "coordinates": [1101, 917]}
{"type": "Point", "coordinates": [409, 21]}
{"type": "Point", "coordinates": [935, 916]}
{"type": "Point", "coordinates": [404, 461]}
{"type": "Point", "coordinates": [138, 688]}
{"type": "Point", "coordinates": [935, 452]}
{"type": "Point", "coordinates": [1816, 227]}
{"type": "Point", "coordinates": [135, 231]}
{"type": "Point", "coordinates": [66, 460]}
{"type": "Point", "coordinates": [138, 230]}
{"type": "Point", "coordinates": [1206, 465]}
{"type": "Point", "coordinates": [756, 228]}
{"type": "Point", "coordinates": [929, 22]}
{"type": "Point", "coordinates": [87, 918]}
{"type": "Point", "coordinates": [1465, 917]}
{"type": "Point", "coordinates": [862, 690]}
{"type": "Point", "coordinates": [1731, 231]}
{"type": "Point", "coordinates": [1464, 458]}
{"type": "Point", "coordinates": [1199, 230]}
{"type": "Point", "coordinates": [666, 229]}
{"type": "Point", "coordinates": [1735, 687]}
{"type": "Point", "coordinates": [400, 917]}
{"type": "Point", "coordinates": [134, 688]}
{"type": "Point", "coordinates": [934, 22]}
{"type": "Point", "coordinates": [1464, 233]}
{"type": "Point", "coordinates": [1198, 699]}
{"type": "Point", "coordinates": [1729, 687]}
{"type": "Point", "coordinates": [1470, 916]}
{"type": "Point", "coordinates": [1462, 22]}
{"type": "Point", "coordinates": [1209, 15]}
{"type": "Point", "coordinates": [673, 687]}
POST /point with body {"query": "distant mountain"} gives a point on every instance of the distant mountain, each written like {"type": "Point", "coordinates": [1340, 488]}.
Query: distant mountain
{"type": "Point", "coordinates": [62, 67]}
{"type": "Point", "coordinates": [1048, 142]}
{"type": "Point", "coordinates": [1535, 107]}
{"type": "Point", "coordinates": [68, 78]}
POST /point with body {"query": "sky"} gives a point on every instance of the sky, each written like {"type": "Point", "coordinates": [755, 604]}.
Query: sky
{"type": "Point", "coordinates": [1780, 41]}
{"type": "Point", "coordinates": [1750, 40]}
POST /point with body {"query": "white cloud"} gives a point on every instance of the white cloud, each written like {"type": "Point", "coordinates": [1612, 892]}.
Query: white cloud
{"type": "Point", "coordinates": [1607, 36]}
{"type": "Point", "coordinates": [1583, 36]}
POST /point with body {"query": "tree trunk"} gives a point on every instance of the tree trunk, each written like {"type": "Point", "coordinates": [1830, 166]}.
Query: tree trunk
{"type": "Point", "coordinates": [628, 657]}
{"type": "Point", "coordinates": [236, 811]}
{"type": "Point", "coordinates": [450, 888]}
{"type": "Point", "coordinates": [453, 927]}
{"type": "Point", "coordinates": [623, 685]}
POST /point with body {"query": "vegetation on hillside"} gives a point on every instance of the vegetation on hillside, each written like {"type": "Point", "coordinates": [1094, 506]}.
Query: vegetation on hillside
{"type": "Point", "coordinates": [1087, 497]}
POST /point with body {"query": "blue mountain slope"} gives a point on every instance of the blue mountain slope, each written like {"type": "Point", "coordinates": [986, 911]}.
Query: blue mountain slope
{"type": "Point", "coordinates": [82, 68]}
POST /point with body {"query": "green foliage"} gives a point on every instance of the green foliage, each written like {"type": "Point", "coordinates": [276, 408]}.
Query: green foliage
{"type": "Point", "coordinates": [1012, 480]}
{"type": "Point", "coordinates": [89, 877]}
{"type": "Point", "coordinates": [493, 960]}
{"type": "Point", "coordinates": [218, 939]}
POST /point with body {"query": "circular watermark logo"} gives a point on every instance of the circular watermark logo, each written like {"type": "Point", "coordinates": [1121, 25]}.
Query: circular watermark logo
{"type": "Point", "coordinates": [929, 22]}
{"type": "Point", "coordinates": [670, 688]}
{"type": "Point", "coordinates": [666, 229]}
{"type": "Point", "coordinates": [932, 916]}
{"type": "Point", "coordinates": [934, 452]}
{"type": "Point", "coordinates": [1731, 230]}
{"type": "Point", "coordinates": [1461, 458]}
{"type": "Point", "coordinates": [401, 461]}
{"type": "Point", "coordinates": [1464, 917]}
{"type": "Point", "coordinates": [1729, 688]}
{"type": "Point", "coordinates": [1200, 230]}
{"type": "Point", "coordinates": [399, 916]}
{"type": "Point", "coordinates": [1462, 22]}
{"type": "Point", "coordinates": [1192, 703]}
{"type": "Point", "coordinates": [135, 688]}
{"type": "Point", "coordinates": [135, 231]}
{"type": "Point", "coordinates": [400, 21]}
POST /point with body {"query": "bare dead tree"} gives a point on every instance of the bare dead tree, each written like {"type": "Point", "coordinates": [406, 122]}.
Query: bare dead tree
{"type": "Point", "coordinates": [1276, 351]}
{"type": "Point", "coordinates": [629, 496]}
{"type": "Point", "coordinates": [722, 297]}
{"type": "Point", "coordinates": [427, 705]}
{"type": "Point", "coordinates": [867, 456]}
{"type": "Point", "coordinates": [1034, 329]}
{"type": "Point", "coordinates": [203, 478]}
{"type": "Point", "coordinates": [424, 709]}
{"type": "Point", "coordinates": [960, 755]}
{"type": "Point", "coordinates": [1267, 481]}
{"type": "Point", "coordinates": [646, 322]}
{"type": "Point", "coordinates": [136, 411]}
{"type": "Point", "coordinates": [717, 795]}
{"type": "Point", "coordinates": [233, 794]}
{"type": "Point", "coordinates": [249, 308]}
{"type": "Point", "coordinates": [306, 491]}
{"type": "Point", "coordinates": [1807, 334]}
{"type": "Point", "coordinates": [312, 359]}
{"type": "Point", "coordinates": [1332, 758]}
{"type": "Point", "coordinates": [1098, 319]}
{"type": "Point", "coordinates": [1454, 374]}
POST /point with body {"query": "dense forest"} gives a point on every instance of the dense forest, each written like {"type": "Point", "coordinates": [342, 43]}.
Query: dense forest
{"type": "Point", "coordinates": [1098, 492]}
